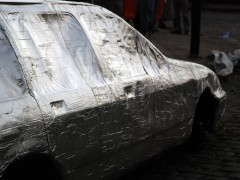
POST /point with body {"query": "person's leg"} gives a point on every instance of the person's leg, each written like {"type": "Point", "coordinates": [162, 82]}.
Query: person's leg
{"type": "Point", "coordinates": [119, 4]}
{"type": "Point", "coordinates": [156, 9]}
{"type": "Point", "coordinates": [186, 18]}
{"type": "Point", "coordinates": [154, 6]}
{"type": "Point", "coordinates": [150, 14]}
{"type": "Point", "coordinates": [178, 28]}
{"type": "Point", "coordinates": [137, 17]}
{"type": "Point", "coordinates": [141, 21]}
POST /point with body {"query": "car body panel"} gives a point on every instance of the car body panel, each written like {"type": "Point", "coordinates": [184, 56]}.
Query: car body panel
{"type": "Point", "coordinates": [108, 98]}
{"type": "Point", "coordinates": [21, 125]}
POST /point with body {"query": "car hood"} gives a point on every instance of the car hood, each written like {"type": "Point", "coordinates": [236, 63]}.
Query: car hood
{"type": "Point", "coordinates": [204, 77]}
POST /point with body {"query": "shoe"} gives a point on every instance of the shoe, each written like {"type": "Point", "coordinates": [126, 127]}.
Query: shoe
{"type": "Point", "coordinates": [161, 25]}
{"type": "Point", "coordinates": [175, 32]}
{"type": "Point", "coordinates": [186, 33]}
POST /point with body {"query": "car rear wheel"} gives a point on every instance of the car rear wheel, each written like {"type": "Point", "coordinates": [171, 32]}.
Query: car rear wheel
{"type": "Point", "coordinates": [204, 120]}
{"type": "Point", "coordinates": [34, 167]}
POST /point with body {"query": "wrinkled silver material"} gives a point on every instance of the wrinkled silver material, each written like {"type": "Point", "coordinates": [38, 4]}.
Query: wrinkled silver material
{"type": "Point", "coordinates": [78, 83]}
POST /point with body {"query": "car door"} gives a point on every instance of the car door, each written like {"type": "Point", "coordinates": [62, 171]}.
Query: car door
{"type": "Point", "coordinates": [21, 125]}
{"type": "Point", "coordinates": [127, 121]}
{"type": "Point", "coordinates": [171, 102]}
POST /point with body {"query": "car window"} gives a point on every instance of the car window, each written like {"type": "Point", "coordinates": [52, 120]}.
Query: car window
{"type": "Point", "coordinates": [80, 49]}
{"type": "Point", "coordinates": [116, 42]}
{"type": "Point", "coordinates": [125, 51]}
{"type": "Point", "coordinates": [44, 47]}
{"type": "Point", "coordinates": [58, 52]}
{"type": "Point", "coordinates": [11, 79]}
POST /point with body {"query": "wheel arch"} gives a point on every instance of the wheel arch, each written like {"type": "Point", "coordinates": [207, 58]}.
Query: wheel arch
{"type": "Point", "coordinates": [33, 164]}
{"type": "Point", "coordinates": [206, 109]}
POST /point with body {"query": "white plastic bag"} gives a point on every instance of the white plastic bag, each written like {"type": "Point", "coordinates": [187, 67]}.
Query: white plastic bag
{"type": "Point", "coordinates": [235, 57]}
{"type": "Point", "coordinates": [222, 63]}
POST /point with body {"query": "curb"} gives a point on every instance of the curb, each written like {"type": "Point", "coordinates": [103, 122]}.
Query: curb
{"type": "Point", "coordinates": [222, 7]}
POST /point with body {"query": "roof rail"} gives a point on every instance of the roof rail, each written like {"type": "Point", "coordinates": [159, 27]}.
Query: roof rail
{"type": "Point", "coordinates": [21, 2]}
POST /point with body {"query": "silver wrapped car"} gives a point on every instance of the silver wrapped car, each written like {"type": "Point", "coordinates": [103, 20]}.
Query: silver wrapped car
{"type": "Point", "coordinates": [83, 95]}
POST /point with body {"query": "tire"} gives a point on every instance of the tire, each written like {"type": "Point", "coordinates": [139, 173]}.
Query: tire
{"type": "Point", "coordinates": [196, 140]}
{"type": "Point", "coordinates": [37, 167]}
{"type": "Point", "coordinates": [204, 120]}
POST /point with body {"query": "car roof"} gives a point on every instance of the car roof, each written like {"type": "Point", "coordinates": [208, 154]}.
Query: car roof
{"type": "Point", "coordinates": [19, 1]}
{"type": "Point", "coordinates": [37, 2]}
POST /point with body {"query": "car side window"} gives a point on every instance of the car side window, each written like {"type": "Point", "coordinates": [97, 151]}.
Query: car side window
{"type": "Point", "coordinates": [81, 49]}
{"type": "Point", "coordinates": [42, 48]}
{"type": "Point", "coordinates": [116, 42]}
{"type": "Point", "coordinates": [56, 51]}
{"type": "Point", "coordinates": [123, 49]}
{"type": "Point", "coordinates": [11, 78]}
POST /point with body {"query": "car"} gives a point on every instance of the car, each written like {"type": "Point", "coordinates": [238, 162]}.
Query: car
{"type": "Point", "coordinates": [83, 95]}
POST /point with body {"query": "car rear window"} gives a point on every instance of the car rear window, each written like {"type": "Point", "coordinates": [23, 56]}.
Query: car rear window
{"type": "Point", "coordinates": [11, 78]}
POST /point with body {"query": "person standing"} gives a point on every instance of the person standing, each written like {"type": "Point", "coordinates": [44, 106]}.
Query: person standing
{"type": "Point", "coordinates": [115, 6]}
{"type": "Point", "coordinates": [145, 20]}
{"type": "Point", "coordinates": [154, 7]}
{"type": "Point", "coordinates": [181, 9]}
{"type": "Point", "coordinates": [141, 19]}
{"type": "Point", "coordinates": [196, 27]}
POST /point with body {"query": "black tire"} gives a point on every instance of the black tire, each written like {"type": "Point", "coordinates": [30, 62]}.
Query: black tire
{"type": "Point", "coordinates": [204, 120]}
{"type": "Point", "coordinates": [196, 140]}
{"type": "Point", "coordinates": [28, 174]}
{"type": "Point", "coordinates": [37, 167]}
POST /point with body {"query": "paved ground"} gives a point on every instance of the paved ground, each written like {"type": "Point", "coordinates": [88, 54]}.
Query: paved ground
{"type": "Point", "coordinates": [219, 158]}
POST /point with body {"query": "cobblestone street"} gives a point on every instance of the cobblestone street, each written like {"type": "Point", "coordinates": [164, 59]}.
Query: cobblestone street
{"type": "Point", "coordinates": [219, 158]}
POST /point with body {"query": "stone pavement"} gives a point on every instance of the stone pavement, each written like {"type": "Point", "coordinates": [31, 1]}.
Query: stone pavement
{"type": "Point", "coordinates": [219, 158]}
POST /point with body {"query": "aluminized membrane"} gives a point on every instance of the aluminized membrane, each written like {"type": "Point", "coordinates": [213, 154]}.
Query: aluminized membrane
{"type": "Point", "coordinates": [80, 78]}
{"type": "Point", "coordinates": [20, 117]}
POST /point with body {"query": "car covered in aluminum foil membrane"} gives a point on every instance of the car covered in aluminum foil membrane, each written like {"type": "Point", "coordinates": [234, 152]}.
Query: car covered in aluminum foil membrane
{"type": "Point", "coordinates": [83, 95]}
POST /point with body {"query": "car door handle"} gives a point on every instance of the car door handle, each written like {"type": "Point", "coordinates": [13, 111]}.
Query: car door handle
{"type": "Point", "coordinates": [128, 89]}
{"type": "Point", "coordinates": [59, 107]}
